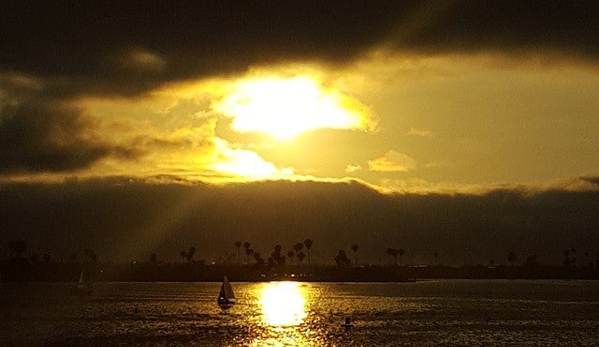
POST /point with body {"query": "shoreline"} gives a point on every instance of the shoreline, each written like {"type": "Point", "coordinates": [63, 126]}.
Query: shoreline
{"type": "Point", "coordinates": [12, 271]}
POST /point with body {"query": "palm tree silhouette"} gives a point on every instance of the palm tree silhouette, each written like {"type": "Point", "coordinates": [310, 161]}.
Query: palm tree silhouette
{"type": "Point", "coordinates": [18, 246]}
{"type": "Point", "coordinates": [35, 258]}
{"type": "Point", "coordinates": [246, 246]}
{"type": "Point", "coordinates": [91, 255]}
{"type": "Point", "coordinates": [308, 244]}
{"type": "Point", "coordinates": [248, 253]}
{"type": "Point", "coordinates": [511, 257]}
{"type": "Point", "coordinates": [190, 253]}
{"type": "Point", "coordinates": [238, 246]}
{"type": "Point", "coordinates": [341, 259]}
{"type": "Point", "coordinates": [290, 255]}
{"type": "Point", "coordinates": [258, 258]}
{"type": "Point", "coordinates": [277, 256]}
{"type": "Point", "coordinates": [400, 252]}
{"type": "Point", "coordinates": [301, 256]}
{"type": "Point", "coordinates": [392, 252]}
{"type": "Point", "coordinates": [355, 247]}
{"type": "Point", "coordinates": [298, 247]}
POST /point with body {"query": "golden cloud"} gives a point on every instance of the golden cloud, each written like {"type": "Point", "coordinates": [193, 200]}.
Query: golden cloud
{"type": "Point", "coordinates": [393, 161]}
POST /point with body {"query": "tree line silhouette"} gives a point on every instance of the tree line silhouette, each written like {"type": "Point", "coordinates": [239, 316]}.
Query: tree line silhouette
{"type": "Point", "coordinates": [280, 262]}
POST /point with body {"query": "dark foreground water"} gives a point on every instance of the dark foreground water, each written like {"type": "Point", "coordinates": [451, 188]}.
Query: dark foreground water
{"type": "Point", "coordinates": [428, 313]}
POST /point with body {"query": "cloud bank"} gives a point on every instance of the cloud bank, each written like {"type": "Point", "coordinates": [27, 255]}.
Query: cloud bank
{"type": "Point", "coordinates": [128, 219]}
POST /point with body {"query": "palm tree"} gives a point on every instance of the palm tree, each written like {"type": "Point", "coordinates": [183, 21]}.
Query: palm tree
{"type": "Point", "coordinates": [290, 255]}
{"type": "Point", "coordinates": [183, 254]}
{"type": "Point", "coordinates": [392, 252]}
{"type": "Point", "coordinates": [341, 259]}
{"type": "Point", "coordinates": [511, 257]}
{"type": "Point", "coordinates": [248, 253]}
{"type": "Point", "coordinates": [308, 244]}
{"type": "Point", "coordinates": [301, 256]}
{"type": "Point", "coordinates": [276, 255]}
{"type": "Point", "coordinates": [400, 252]}
{"type": "Point", "coordinates": [567, 262]}
{"type": "Point", "coordinates": [190, 253]}
{"type": "Point", "coordinates": [587, 259]}
{"type": "Point", "coordinates": [18, 246]}
{"type": "Point", "coordinates": [256, 255]}
{"type": "Point", "coordinates": [238, 246]}
{"type": "Point", "coordinates": [355, 247]}
{"type": "Point", "coordinates": [35, 258]}
{"type": "Point", "coordinates": [246, 246]}
{"type": "Point", "coordinates": [91, 255]}
{"type": "Point", "coordinates": [258, 258]}
{"type": "Point", "coordinates": [298, 247]}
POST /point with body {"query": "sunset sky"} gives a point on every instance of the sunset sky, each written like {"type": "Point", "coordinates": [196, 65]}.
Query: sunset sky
{"type": "Point", "coordinates": [402, 98]}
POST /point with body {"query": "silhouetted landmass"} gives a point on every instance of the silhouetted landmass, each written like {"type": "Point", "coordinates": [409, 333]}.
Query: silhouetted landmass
{"type": "Point", "coordinates": [21, 270]}
{"type": "Point", "coordinates": [126, 219]}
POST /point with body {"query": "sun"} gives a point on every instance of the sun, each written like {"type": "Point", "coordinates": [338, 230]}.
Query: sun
{"type": "Point", "coordinates": [286, 107]}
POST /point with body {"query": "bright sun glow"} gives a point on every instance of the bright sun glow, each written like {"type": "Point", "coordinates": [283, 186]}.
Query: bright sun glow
{"type": "Point", "coordinates": [283, 304]}
{"type": "Point", "coordinates": [244, 163]}
{"type": "Point", "coordinates": [286, 107]}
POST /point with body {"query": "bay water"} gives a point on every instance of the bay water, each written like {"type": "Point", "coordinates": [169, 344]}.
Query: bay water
{"type": "Point", "coordinates": [423, 313]}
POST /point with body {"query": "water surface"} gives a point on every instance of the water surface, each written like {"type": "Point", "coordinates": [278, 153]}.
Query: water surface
{"type": "Point", "coordinates": [427, 313]}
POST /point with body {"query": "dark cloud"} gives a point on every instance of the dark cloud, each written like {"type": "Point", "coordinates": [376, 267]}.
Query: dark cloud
{"type": "Point", "coordinates": [55, 50]}
{"type": "Point", "coordinates": [536, 26]}
{"type": "Point", "coordinates": [127, 219]}
{"type": "Point", "coordinates": [45, 137]}
{"type": "Point", "coordinates": [93, 40]}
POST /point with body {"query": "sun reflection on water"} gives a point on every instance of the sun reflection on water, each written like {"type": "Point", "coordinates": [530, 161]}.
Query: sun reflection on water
{"type": "Point", "coordinates": [283, 304]}
{"type": "Point", "coordinates": [284, 317]}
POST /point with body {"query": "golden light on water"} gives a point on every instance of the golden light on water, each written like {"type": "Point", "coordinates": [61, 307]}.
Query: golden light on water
{"type": "Point", "coordinates": [283, 303]}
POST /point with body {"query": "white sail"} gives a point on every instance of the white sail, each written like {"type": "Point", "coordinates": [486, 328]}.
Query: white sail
{"type": "Point", "coordinates": [82, 279]}
{"type": "Point", "coordinates": [226, 296]}
{"type": "Point", "coordinates": [229, 294]}
{"type": "Point", "coordinates": [84, 286]}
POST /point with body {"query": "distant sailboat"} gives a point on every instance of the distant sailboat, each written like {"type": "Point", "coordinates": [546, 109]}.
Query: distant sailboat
{"type": "Point", "coordinates": [226, 297]}
{"type": "Point", "coordinates": [85, 285]}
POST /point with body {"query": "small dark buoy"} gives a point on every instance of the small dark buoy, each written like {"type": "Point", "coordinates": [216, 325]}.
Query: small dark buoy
{"type": "Point", "coordinates": [347, 323]}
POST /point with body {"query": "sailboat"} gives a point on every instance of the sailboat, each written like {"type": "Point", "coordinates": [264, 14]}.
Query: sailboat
{"type": "Point", "coordinates": [85, 285]}
{"type": "Point", "coordinates": [226, 297]}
